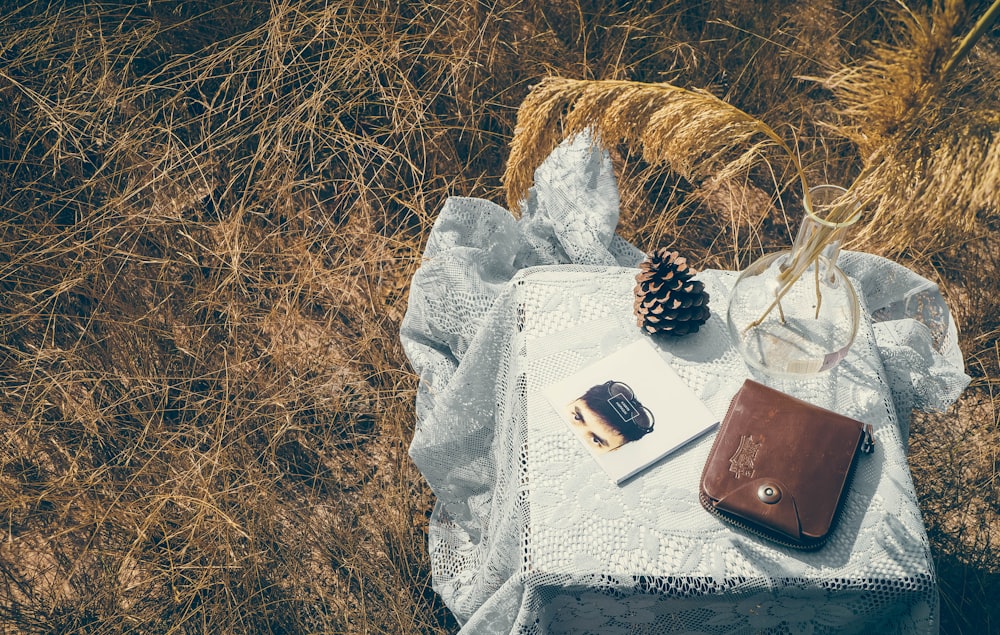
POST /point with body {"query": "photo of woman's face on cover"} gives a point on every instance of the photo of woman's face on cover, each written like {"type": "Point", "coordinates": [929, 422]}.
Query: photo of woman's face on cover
{"type": "Point", "coordinates": [609, 415]}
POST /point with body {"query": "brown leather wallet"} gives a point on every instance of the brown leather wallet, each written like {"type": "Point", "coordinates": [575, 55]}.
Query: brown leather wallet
{"type": "Point", "coordinates": [780, 466]}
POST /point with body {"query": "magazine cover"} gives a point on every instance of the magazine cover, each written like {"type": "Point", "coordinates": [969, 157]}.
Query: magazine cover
{"type": "Point", "coordinates": [630, 409]}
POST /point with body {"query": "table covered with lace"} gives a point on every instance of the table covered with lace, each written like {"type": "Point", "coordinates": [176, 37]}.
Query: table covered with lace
{"type": "Point", "coordinates": [529, 535]}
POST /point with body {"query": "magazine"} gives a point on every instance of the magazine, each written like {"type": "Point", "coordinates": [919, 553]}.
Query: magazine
{"type": "Point", "coordinates": [630, 409]}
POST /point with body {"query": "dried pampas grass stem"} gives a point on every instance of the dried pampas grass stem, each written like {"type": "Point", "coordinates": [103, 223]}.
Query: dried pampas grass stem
{"type": "Point", "coordinates": [693, 132]}
{"type": "Point", "coordinates": [978, 30]}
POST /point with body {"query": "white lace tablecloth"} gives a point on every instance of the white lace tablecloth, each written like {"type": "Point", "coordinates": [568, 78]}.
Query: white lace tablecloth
{"type": "Point", "coordinates": [528, 534]}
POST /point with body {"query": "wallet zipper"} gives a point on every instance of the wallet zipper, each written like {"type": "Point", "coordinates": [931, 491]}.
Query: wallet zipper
{"type": "Point", "coordinates": [868, 439]}
{"type": "Point", "coordinates": [736, 521]}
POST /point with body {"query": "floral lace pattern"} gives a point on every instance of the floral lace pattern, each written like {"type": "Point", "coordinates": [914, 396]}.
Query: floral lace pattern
{"type": "Point", "coordinates": [529, 536]}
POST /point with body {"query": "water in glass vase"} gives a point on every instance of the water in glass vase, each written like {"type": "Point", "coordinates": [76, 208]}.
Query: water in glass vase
{"type": "Point", "coordinates": [795, 312]}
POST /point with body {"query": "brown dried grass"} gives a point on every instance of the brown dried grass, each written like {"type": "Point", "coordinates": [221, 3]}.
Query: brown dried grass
{"type": "Point", "coordinates": [209, 215]}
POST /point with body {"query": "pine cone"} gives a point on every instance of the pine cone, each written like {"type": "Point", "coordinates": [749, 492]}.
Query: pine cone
{"type": "Point", "coordinates": [667, 300]}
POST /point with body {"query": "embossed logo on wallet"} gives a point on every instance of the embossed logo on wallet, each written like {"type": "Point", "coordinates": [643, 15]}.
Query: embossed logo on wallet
{"type": "Point", "coordinates": [741, 463]}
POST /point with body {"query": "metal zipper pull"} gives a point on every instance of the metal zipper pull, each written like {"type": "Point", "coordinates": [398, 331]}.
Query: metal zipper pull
{"type": "Point", "coordinates": [868, 440]}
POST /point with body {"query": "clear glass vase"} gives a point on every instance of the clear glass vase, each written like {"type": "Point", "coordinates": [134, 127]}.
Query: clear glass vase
{"type": "Point", "coordinates": [794, 312]}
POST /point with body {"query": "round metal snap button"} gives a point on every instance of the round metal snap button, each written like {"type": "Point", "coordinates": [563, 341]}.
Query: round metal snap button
{"type": "Point", "coordinates": [768, 493]}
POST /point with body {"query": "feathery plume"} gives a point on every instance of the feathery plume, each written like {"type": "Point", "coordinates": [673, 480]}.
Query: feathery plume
{"type": "Point", "coordinates": [693, 132]}
{"type": "Point", "coordinates": [926, 126]}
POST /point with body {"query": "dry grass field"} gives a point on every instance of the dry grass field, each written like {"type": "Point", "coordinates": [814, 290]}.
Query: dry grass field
{"type": "Point", "coordinates": [210, 212]}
